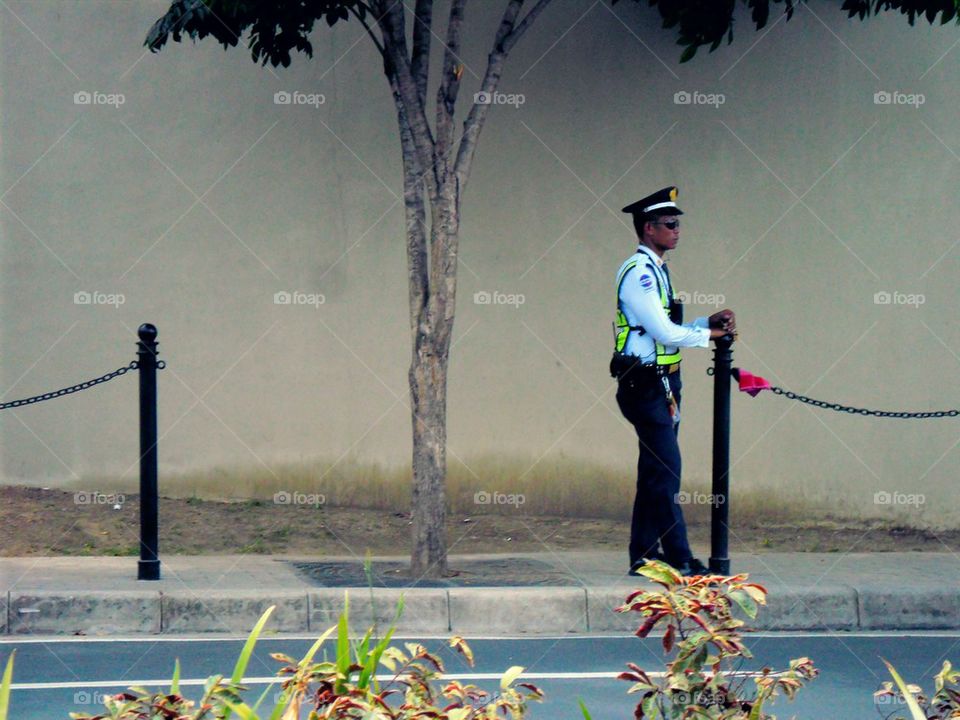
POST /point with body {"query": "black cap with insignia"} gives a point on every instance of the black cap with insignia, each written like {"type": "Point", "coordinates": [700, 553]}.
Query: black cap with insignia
{"type": "Point", "coordinates": [662, 202]}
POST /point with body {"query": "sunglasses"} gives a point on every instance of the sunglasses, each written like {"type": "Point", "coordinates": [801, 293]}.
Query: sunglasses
{"type": "Point", "coordinates": [669, 224]}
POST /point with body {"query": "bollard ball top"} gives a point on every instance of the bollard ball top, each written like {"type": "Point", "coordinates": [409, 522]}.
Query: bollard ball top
{"type": "Point", "coordinates": [147, 332]}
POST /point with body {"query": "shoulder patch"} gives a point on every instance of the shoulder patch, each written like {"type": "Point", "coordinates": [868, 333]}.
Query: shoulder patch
{"type": "Point", "coordinates": [646, 281]}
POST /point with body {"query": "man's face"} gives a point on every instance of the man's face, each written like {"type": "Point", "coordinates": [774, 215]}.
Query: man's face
{"type": "Point", "coordinates": [664, 232]}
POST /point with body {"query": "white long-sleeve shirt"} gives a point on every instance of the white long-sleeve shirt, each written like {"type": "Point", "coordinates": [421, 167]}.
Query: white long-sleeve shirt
{"type": "Point", "coordinates": [641, 305]}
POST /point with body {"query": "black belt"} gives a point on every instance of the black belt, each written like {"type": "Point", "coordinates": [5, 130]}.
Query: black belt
{"type": "Point", "coordinates": [622, 366]}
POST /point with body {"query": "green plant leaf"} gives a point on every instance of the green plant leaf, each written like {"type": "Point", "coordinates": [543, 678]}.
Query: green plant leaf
{"type": "Point", "coordinates": [241, 667]}
{"type": "Point", "coordinates": [240, 709]}
{"type": "Point", "coordinates": [509, 676]}
{"type": "Point", "coordinates": [363, 648]}
{"type": "Point", "coordinates": [661, 573]}
{"type": "Point", "coordinates": [343, 645]}
{"type": "Point", "coordinates": [371, 667]}
{"type": "Point", "coordinates": [915, 711]}
{"type": "Point", "coordinates": [583, 709]}
{"type": "Point", "coordinates": [745, 602]}
{"type": "Point", "coordinates": [316, 646]}
{"type": "Point", "coordinates": [175, 680]}
{"type": "Point", "coordinates": [5, 687]}
{"type": "Point", "coordinates": [263, 696]}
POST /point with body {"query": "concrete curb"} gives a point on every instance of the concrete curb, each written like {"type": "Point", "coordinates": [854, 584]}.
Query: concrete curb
{"type": "Point", "coordinates": [478, 611]}
{"type": "Point", "coordinates": [825, 607]}
{"type": "Point", "coordinates": [886, 608]}
{"type": "Point", "coordinates": [425, 610]}
{"type": "Point", "coordinates": [501, 611]}
{"type": "Point", "coordinates": [235, 612]}
{"type": "Point", "coordinates": [91, 612]}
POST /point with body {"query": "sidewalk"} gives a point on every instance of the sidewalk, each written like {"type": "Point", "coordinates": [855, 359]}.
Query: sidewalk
{"type": "Point", "coordinates": [523, 593]}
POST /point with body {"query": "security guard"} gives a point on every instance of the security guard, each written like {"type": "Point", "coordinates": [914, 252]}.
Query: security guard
{"type": "Point", "coordinates": [649, 333]}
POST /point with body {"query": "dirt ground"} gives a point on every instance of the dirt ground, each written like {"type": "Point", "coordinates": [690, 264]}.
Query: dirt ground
{"type": "Point", "coordinates": [35, 521]}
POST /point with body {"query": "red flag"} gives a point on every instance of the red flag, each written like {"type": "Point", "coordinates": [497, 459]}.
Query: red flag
{"type": "Point", "coordinates": [750, 383]}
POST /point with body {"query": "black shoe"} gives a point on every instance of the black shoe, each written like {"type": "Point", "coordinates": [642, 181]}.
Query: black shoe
{"type": "Point", "coordinates": [692, 567]}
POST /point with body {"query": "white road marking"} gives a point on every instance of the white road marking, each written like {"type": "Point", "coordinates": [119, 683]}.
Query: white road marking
{"type": "Point", "coordinates": [50, 639]}
{"type": "Point", "coordinates": [269, 680]}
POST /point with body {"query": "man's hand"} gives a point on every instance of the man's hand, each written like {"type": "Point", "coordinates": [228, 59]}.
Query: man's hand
{"type": "Point", "coordinates": [724, 320]}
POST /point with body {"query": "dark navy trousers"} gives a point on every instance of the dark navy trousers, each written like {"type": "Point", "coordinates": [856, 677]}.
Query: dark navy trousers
{"type": "Point", "coordinates": [658, 528]}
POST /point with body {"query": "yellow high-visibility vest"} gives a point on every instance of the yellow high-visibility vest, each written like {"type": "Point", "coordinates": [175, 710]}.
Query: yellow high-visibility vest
{"type": "Point", "coordinates": [622, 327]}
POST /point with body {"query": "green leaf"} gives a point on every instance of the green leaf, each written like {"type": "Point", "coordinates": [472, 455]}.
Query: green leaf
{"type": "Point", "coordinates": [746, 603]}
{"type": "Point", "coordinates": [688, 54]}
{"type": "Point", "coordinates": [509, 676]}
{"type": "Point", "coordinates": [240, 709]}
{"type": "Point", "coordinates": [363, 649]}
{"type": "Point", "coordinates": [343, 645]}
{"type": "Point", "coordinates": [316, 646]}
{"type": "Point", "coordinates": [175, 681]}
{"type": "Point", "coordinates": [912, 703]}
{"type": "Point", "coordinates": [661, 573]}
{"type": "Point", "coordinates": [5, 687]}
{"type": "Point", "coordinates": [368, 672]}
{"type": "Point", "coordinates": [241, 667]}
{"type": "Point", "coordinates": [281, 706]}
{"type": "Point", "coordinates": [583, 709]}
{"type": "Point", "coordinates": [263, 696]}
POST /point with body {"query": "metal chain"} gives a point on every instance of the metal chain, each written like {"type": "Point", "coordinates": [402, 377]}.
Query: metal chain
{"type": "Point", "coordinates": [75, 388]}
{"type": "Point", "coordinates": [862, 411]}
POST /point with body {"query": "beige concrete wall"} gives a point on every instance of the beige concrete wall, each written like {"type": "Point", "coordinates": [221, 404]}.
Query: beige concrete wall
{"type": "Point", "coordinates": [199, 198]}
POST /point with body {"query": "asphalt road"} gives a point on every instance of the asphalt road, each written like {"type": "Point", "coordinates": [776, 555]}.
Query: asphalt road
{"type": "Point", "coordinates": [56, 675]}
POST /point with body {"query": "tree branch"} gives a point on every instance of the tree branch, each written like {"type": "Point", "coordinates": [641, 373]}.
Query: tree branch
{"type": "Point", "coordinates": [391, 22]}
{"type": "Point", "coordinates": [507, 36]}
{"type": "Point", "coordinates": [370, 32]}
{"type": "Point", "coordinates": [527, 21]}
{"type": "Point", "coordinates": [418, 280]}
{"type": "Point", "coordinates": [420, 61]}
{"type": "Point", "coordinates": [506, 24]}
{"type": "Point", "coordinates": [449, 87]}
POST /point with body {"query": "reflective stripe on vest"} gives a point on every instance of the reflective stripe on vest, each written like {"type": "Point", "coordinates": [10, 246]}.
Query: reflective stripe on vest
{"type": "Point", "coordinates": [623, 327]}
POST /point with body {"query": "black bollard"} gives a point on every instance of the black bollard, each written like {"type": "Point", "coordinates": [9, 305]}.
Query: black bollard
{"type": "Point", "coordinates": [720, 510]}
{"type": "Point", "coordinates": [148, 568]}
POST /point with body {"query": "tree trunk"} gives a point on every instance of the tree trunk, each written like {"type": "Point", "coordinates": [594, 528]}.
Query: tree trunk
{"type": "Point", "coordinates": [428, 389]}
{"type": "Point", "coordinates": [435, 169]}
{"type": "Point", "coordinates": [428, 392]}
